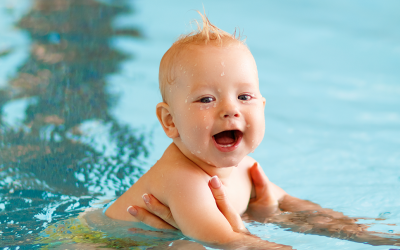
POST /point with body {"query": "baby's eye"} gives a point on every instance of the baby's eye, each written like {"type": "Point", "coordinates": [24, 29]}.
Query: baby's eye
{"type": "Point", "coordinates": [245, 97]}
{"type": "Point", "coordinates": [206, 99]}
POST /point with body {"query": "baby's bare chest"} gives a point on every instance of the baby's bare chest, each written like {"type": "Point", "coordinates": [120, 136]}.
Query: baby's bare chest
{"type": "Point", "coordinates": [238, 192]}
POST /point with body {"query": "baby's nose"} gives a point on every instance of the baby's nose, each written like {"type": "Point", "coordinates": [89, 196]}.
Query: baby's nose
{"type": "Point", "coordinates": [229, 110]}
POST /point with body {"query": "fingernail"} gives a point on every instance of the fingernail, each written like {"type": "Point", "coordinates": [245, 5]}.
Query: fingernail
{"type": "Point", "coordinates": [215, 183]}
{"type": "Point", "coordinates": [132, 210]}
{"type": "Point", "coordinates": [146, 198]}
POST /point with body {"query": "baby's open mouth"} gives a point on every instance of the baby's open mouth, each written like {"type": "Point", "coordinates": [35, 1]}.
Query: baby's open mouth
{"type": "Point", "coordinates": [228, 140]}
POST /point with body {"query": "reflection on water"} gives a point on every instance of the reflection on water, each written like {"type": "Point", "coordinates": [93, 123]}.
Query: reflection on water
{"type": "Point", "coordinates": [49, 167]}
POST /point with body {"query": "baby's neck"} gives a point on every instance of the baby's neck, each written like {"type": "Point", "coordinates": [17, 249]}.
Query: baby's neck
{"type": "Point", "coordinates": [222, 173]}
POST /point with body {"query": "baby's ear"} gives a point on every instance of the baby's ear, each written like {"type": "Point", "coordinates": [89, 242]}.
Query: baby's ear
{"type": "Point", "coordinates": [165, 118]}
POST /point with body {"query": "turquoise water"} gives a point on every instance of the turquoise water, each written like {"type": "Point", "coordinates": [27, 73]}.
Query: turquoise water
{"type": "Point", "coordinates": [78, 89]}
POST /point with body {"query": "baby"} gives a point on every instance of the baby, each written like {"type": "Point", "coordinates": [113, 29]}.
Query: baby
{"type": "Point", "coordinates": [213, 111]}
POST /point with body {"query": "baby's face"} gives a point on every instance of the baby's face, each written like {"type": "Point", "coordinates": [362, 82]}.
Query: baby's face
{"type": "Point", "coordinates": [216, 104]}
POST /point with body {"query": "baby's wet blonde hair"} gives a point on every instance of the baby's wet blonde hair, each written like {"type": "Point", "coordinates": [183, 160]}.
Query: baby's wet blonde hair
{"type": "Point", "coordinates": [207, 35]}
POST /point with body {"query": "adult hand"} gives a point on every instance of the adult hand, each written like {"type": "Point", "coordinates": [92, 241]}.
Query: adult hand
{"type": "Point", "coordinates": [265, 203]}
{"type": "Point", "coordinates": [159, 216]}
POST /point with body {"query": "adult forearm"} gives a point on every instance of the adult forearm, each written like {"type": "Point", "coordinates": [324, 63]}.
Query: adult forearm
{"type": "Point", "coordinates": [308, 217]}
{"type": "Point", "coordinates": [293, 204]}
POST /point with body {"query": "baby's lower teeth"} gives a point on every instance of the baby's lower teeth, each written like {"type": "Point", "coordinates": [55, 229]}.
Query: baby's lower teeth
{"type": "Point", "coordinates": [227, 145]}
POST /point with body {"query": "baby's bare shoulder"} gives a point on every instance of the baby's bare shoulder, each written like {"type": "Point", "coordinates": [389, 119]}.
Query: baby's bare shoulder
{"type": "Point", "coordinates": [174, 163]}
{"type": "Point", "coordinates": [168, 174]}
{"type": "Point", "coordinates": [172, 167]}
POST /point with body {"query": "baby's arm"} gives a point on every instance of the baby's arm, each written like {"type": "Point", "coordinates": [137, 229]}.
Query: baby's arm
{"type": "Point", "coordinates": [160, 217]}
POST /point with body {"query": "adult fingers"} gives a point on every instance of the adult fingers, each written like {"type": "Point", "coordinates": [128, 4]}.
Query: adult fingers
{"type": "Point", "coordinates": [148, 218]}
{"type": "Point", "coordinates": [260, 180]}
{"type": "Point", "coordinates": [262, 186]}
{"type": "Point", "coordinates": [159, 209]}
{"type": "Point", "coordinates": [224, 206]}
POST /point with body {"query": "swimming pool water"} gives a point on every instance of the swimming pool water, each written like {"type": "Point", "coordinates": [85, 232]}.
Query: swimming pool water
{"type": "Point", "coordinates": [79, 85]}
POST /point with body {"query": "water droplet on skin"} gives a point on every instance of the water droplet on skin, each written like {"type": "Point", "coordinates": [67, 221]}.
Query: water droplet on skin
{"type": "Point", "coordinates": [248, 125]}
{"type": "Point", "coordinates": [192, 74]}
{"type": "Point", "coordinates": [207, 127]}
{"type": "Point", "coordinates": [184, 72]}
{"type": "Point", "coordinates": [208, 162]}
{"type": "Point", "coordinates": [198, 152]}
{"type": "Point", "coordinates": [252, 141]}
{"type": "Point", "coordinates": [207, 107]}
{"type": "Point", "coordinates": [195, 65]}
{"type": "Point", "coordinates": [189, 109]}
{"type": "Point", "coordinates": [223, 64]}
{"type": "Point", "coordinates": [186, 101]}
{"type": "Point", "coordinates": [219, 90]}
{"type": "Point", "coordinates": [215, 104]}
{"type": "Point", "coordinates": [222, 74]}
{"type": "Point", "coordinates": [188, 86]}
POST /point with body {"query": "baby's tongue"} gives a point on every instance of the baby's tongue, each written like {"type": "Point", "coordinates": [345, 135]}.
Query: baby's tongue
{"type": "Point", "coordinates": [226, 137]}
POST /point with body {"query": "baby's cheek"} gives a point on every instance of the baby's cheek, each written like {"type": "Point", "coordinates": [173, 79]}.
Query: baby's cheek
{"type": "Point", "coordinates": [207, 106]}
{"type": "Point", "coordinates": [256, 134]}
